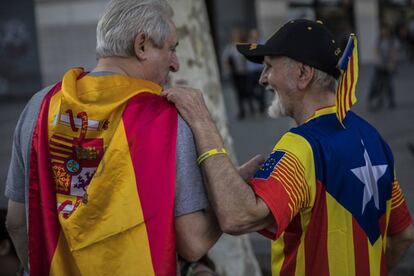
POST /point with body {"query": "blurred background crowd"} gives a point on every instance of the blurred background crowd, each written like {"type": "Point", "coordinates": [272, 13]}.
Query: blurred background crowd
{"type": "Point", "coordinates": [41, 39]}
{"type": "Point", "coordinates": [38, 38]}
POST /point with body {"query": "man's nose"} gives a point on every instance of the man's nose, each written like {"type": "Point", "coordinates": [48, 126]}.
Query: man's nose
{"type": "Point", "coordinates": [175, 64]}
{"type": "Point", "coordinates": [263, 79]}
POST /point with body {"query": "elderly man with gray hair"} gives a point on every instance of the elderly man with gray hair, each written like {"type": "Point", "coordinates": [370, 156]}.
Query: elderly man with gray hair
{"type": "Point", "coordinates": [103, 176]}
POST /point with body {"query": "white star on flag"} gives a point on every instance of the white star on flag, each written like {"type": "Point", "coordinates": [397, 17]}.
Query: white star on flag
{"type": "Point", "coordinates": [369, 175]}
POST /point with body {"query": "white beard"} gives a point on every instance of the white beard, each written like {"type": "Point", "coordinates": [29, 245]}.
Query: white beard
{"type": "Point", "coordinates": [276, 109]}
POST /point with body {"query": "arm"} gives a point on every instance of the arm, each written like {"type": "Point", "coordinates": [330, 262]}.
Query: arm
{"type": "Point", "coordinates": [196, 233]}
{"type": "Point", "coordinates": [193, 242]}
{"type": "Point", "coordinates": [16, 226]}
{"type": "Point", "coordinates": [17, 178]}
{"type": "Point", "coordinates": [196, 226]}
{"type": "Point", "coordinates": [397, 245]}
{"type": "Point", "coordinates": [237, 208]}
{"type": "Point", "coordinates": [400, 229]}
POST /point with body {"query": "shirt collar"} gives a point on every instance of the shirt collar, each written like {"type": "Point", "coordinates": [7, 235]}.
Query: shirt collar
{"type": "Point", "coordinates": [323, 111]}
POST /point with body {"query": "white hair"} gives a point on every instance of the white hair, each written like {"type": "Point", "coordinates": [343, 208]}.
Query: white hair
{"type": "Point", "coordinates": [123, 20]}
{"type": "Point", "coordinates": [323, 80]}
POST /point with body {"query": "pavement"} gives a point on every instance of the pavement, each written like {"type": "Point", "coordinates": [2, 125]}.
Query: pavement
{"type": "Point", "coordinates": [258, 134]}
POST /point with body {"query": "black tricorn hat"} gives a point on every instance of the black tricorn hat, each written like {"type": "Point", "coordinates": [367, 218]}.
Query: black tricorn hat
{"type": "Point", "coordinates": [303, 40]}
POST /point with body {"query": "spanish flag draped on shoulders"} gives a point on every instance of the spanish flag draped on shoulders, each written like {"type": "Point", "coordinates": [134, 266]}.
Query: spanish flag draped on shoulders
{"type": "Point", "coordinates": [102, 179]}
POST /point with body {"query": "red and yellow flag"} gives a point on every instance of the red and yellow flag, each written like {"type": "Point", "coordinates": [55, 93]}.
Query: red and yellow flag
{"type": "Point", "coordinates": [102, 179]}
{"type": "Point", "coordinates": [348, 64]}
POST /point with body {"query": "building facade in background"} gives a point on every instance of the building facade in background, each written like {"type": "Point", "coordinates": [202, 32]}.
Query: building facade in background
{"type": "Point", "coordinates": [38, 37]}
{"type": "Point", "coordinates": [364, 17]}
{"type": "Point", "coordinates": [19, 66]}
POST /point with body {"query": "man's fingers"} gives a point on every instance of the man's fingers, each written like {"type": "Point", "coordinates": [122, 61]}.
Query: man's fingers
{"type": "Point", "coordinates": [169, 95]}
{"type": "Point", "coordinates": [256, 161]}
{"type": "Point", "coordinates": [164, 93]}
{"type": "Point", "coordinates": [248, 169]}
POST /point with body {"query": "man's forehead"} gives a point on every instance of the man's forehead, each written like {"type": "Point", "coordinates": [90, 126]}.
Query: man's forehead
{"type": "Point", "coordinates": [269, 59]}
{"type": "Point", "coordinates": [173, 40]}
{"type": "Point", "coordinates": [173, 32]}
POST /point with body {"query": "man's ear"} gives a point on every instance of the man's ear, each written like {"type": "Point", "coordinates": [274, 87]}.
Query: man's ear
{"type": "Point", "coordinates": [306, 74]}
{"type": "Point", "coordinates": [140, 45]}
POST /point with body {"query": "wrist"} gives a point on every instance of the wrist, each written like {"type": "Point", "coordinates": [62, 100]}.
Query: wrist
{"type": "Point", "coordinates": [202, 123]}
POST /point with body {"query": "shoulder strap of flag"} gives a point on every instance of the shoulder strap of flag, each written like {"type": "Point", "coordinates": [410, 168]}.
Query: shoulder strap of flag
{"type": "Point", "coordinates": [348, 65]}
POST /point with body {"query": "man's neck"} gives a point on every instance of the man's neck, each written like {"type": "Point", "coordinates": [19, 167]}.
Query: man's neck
{"type": "Point", "coordinates": [118, 65]}
{"type": "Point", "coordinates": [310, 103]}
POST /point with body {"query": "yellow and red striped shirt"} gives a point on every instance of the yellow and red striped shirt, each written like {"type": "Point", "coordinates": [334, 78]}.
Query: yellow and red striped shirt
{"type": "Point", "coordinates": [334, 197]}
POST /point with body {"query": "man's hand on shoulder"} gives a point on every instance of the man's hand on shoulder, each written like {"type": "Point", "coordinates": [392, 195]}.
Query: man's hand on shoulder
{"type": "Point", "coordinates": [248, 169]}
{"type": "Point", "coordinates": [190, 103]}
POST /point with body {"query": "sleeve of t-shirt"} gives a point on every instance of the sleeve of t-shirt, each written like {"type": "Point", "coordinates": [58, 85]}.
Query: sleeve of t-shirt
{"type": "Point", "coordinates": [190, 194]}
{"type": "Point", "coordinates": [17, 177]}
{"type": "Point", "coordinates": [400, 216]}
{"type": "Point", "coordinates": [15, 181]}
{"type": "Point", "coordinates": [286, 182]}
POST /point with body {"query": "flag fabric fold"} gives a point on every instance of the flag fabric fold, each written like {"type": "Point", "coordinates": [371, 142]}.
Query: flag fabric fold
{"type": "Point", "coordinates": [348, 65]}
{"type": "Point", "coordinates": [102, 179]}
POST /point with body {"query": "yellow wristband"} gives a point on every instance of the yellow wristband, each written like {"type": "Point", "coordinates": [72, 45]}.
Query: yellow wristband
{"type": "Point", "coordinates": [210, 153]}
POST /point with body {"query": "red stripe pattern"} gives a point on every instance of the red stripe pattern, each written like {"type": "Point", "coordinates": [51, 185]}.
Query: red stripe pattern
{"type": "Point", "coordinates": [316, 236]}
{"type": "Point", "coordinates": [290, 173]}
{"type": "Point", "coordinates": [44, 225]}
{"type": "Point", "coordinates": [360, 250]}
{"type": "Point", "coordinates": [151, 129]}
{"type": "Point", "coordinates": [400, 217]}
{"type": "Point", "coordinates": [396, 195]}
{"type": "Point", "coordinates": [345, 94]}
{"type": "Point", "coordinates": [351, 67]}
{"type": "Point", "coordinates": [292, 236]}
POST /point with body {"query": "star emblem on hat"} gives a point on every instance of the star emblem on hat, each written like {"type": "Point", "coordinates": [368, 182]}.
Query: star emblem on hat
{"type": "Point", "coordinates": [253, 46]}
{"type": "Point", "coordinates": [337, 51]}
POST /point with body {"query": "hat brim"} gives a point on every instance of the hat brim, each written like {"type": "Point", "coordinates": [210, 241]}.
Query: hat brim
{"type": "Point", "coordinates": [253, 52]}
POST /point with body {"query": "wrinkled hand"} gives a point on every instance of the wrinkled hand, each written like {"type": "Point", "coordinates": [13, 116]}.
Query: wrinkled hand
{"type": "Point", "coordinates": [248, 169]}
{"type": "Point", "coordinates": [189, 102]}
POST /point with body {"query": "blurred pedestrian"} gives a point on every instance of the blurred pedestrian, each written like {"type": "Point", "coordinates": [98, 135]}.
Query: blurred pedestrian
{"type": "Point", "coordinates": [382, 83]}
{"type": "Point", "coordinates": [235, 65]}
{"type": "Point", "coordinates": [254, 70]}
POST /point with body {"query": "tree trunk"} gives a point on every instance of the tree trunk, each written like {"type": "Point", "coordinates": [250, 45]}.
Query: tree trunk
{"type": "Point", "coordinates": [198, 69]}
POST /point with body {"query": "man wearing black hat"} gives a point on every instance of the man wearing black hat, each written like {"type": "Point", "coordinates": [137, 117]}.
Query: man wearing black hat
{"type": "Point", "coordinates": [327, 195]}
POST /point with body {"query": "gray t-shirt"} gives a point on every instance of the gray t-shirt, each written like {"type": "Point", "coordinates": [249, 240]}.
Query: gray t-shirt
{"type": "Point", "coordinates": [190, 193]}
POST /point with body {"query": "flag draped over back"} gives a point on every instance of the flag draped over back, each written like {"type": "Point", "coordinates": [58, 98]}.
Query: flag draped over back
{"type": "Point", "coordinates": [102, 179]}
{"type": "Point", "coordinates": [348, 64]}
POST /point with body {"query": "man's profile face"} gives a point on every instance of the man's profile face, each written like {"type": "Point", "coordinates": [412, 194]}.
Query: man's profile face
{"type": "Point", "coordinates": [162, 61]}
{"type": "Point", "coordinates": [275, 77]}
